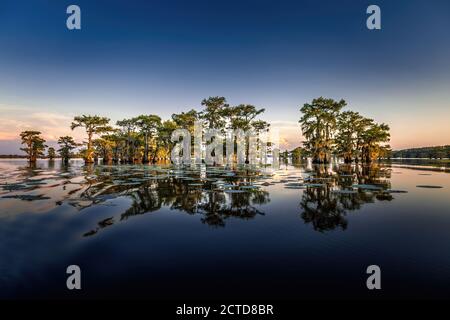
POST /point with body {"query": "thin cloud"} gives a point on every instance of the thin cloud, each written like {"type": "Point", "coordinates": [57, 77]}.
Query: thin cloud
{"type": "Point", "coordinates": [14, 120]}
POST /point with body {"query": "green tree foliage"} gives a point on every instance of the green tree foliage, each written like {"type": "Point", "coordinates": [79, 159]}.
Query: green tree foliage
{"type": "Point", "coordinates": [327, 129]}
{"type": "Point", "coordinates": [372, 142]}
{"type": "Point", "coordinates": [243, 117]}
{"type": "Point", "coordinates": [298, 154]}
{"type": "Point", "coordinates": [349, 129]}
{"type": "Point", "coordinates": [103, 148]}
{"type": "Point", "coordinates": [51, 153]}
{"type": "Point", "coordinates": [186, 120]}
{"type": "Point", "coordinates": [346, 134]}
{"type": "Point", "coordinates": [34, 145]}
{"type": "Point", "coordinates": [93, 125]}
{"type": "Point", "coordinates": [318, 122]}
{"type": "Point", "coordinates": [214, 112]}
{"type": "Point", "coordinates": [164, 143]}
{"type": "Point", "coordinates": [128, 130]}
{"type": "Point", "coordinates": [148, 126]}
{"type": "Point", "coordinates": [113, 147]}
{"type": "Point", "coordinates": [66, 145]}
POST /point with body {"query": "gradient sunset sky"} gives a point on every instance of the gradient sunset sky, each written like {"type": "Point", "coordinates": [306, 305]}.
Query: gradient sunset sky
{"type": "Point", "coordinates": [164, 57]}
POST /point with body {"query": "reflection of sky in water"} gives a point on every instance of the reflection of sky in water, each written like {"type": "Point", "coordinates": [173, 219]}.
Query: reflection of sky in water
{"type": "Point", "coordinates": [165, 232]}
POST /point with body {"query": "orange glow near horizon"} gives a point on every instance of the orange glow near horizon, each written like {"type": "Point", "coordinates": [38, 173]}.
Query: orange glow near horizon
{"type": "Point", "coordinates": [403, 134]}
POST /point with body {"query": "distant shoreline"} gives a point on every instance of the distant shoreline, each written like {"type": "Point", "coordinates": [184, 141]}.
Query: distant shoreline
{"type": "Point", "coordinates": [11, 157]}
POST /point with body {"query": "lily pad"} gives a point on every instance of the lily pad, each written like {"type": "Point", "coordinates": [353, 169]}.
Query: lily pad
{"type": "Point", "coordinates": [395, 191]}
{"type": "Point", "coordinates": [249, 187]}
{"type": "Point", "coordinates": [234, 191]}
{"type": "Point", "coordinates": [367, 187]}
{"type": "Point", "coordinates": [294, 184]}
{"type": "Point", "coordinates": [314, 185]}
{"type": "Point", "coordinates": [12, 187]}
{"type": "Point", "coordinates": [27, 197]}
{"type": "Point", "coordinates": [228, 185]}
{"type": "Point", "coordinates": [429, 187]}
{"type": "Point", "coordinates": [106, 222]}
{"type": "Point", "coordinates": [384, 196]}
{"type": "Point", "coordinates": [345, 191]}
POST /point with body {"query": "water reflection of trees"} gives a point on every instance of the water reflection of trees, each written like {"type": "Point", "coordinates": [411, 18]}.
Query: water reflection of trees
{"type": "Point", "coordinates": [325, 207]}
{"type": "Point", "coordinates": [215, 205]}
{"type": "Point", "coordinates": [193, 196]}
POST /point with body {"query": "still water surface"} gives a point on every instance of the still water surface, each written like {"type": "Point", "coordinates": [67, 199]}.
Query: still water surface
{"type": "Point", "coordinates": [203, 232]}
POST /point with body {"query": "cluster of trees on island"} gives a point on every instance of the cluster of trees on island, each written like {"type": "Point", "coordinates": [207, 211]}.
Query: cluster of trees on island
{"type": "Point", "coordinates": [145, 138]}
{"type": "Point", "coordinates": [328, 131]}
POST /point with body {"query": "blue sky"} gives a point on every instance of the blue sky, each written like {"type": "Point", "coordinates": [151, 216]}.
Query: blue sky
{"type": "Point", "coordinates": [134, 57]}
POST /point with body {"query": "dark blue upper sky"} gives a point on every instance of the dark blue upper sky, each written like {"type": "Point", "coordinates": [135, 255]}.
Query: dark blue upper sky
{"type": "Point", "coordinates": [162, 57]}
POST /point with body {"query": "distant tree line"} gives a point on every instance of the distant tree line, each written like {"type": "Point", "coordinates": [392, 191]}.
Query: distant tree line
{"type": "Point", "coordinates": [328, 132]}
{"type": "Point", "coordinates": [438, 152]}
{"type": "Point", "coordinates": [144, 138]}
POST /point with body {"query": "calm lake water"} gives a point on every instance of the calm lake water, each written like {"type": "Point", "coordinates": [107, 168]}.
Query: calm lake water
{"type": "Point", "coordinates": [203, 232]}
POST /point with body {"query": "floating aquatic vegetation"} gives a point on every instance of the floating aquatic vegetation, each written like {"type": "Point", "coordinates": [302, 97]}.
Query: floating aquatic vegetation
{"type": "Point", "coordinates": [395, 191]}
{"type": "Point", "coordinates": [74, 191]}
{"type": "Point", "coordinates": [295, 187]}
{"type": "Point", "coordinates": [228, 185]}
{"type": "Point", "coordinates": [118, 182]}
{"type": "Point", "coordinates": [344, 191]}
{"type": "Point", "coordinates": [229, 174]}
{"type": "Point", "coordinates": [90, 233]}
{"type": "Point", "coordinates": [321, 179]}
{"type": "Point", "coordinates": [13, 187]}
{"type": "Point", "coordinates": [314, 185]}
{"type": "Point", "coordinates": [106, 222]}
{"type": "Point", "coordinates": [234, 191]}
{"type": "Point", "coordinates": [384, 196]}
{"type": "Point", "coordinates": [162, 176]}
{"type": "Point", "coordinates": [252, 187]}
{"type": "Point", "coordinates": [429, 186]}
{"type": "Point", "coordinates": [367, 187]}
{"type": "Point", "coordinates": [35, 183]}
{"type": "Point", "coordinates": [130, 183]}
{"type": "Point", "coordinates": [27, 197]}
{"type": "Point", "coordinates": [138, 180]}
{"type": "Point", "coordinates": [294, 184]}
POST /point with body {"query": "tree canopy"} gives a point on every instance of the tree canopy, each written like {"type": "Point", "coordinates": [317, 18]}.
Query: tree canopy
{"type": "Point", "coordinates": [347, 134]}
{"type": "Point", "coordinates": [34, 145]}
